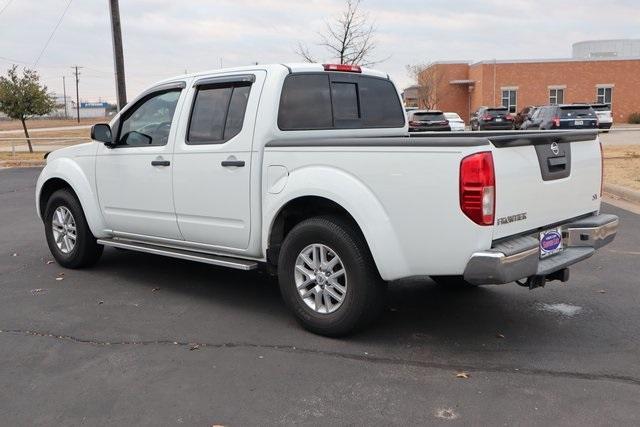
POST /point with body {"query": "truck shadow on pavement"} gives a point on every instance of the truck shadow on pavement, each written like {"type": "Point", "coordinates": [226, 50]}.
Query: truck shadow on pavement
{"type": "Point", "coordinates": [418, 311]}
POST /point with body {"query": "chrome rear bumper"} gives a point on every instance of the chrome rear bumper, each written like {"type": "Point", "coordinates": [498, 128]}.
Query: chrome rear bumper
{"type": "Point", "coordinates": [519, 258]}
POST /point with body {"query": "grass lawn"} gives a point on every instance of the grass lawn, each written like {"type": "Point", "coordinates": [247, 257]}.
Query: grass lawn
{"type": "Point", "coordinates": [50, 123]}
{"type": "Point", "coordinates": [38, 155]}
{"type": "Point", "coordinates": [74, 133]}
{"type": "Point", "coordinates": [622, 165]}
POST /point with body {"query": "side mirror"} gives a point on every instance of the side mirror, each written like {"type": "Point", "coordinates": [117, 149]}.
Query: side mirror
{"type": "Point", "coordinates": [102, 132]}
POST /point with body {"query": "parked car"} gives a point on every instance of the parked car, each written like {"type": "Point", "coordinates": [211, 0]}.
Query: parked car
{"type": "Point", "coordinates": [427, 120]}
{"type": "Point", "coordinates": [605, 118]}
{"type": "Point", "coordinates": [308, 171]}
{"type": "Point", "coordinates": [455, 122]}
{"type": "Point", "coordinates": [524, 115]}
{"type": "Point", "coordinates": [491, 118]}
{"type": "Point", "coordinates": [531, 121]}
{"type": "Point", "coordinates": [566, 116]}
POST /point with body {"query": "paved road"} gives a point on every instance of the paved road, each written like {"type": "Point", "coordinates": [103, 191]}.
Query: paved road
{"type": "Point", "coordinates": [152, 341]}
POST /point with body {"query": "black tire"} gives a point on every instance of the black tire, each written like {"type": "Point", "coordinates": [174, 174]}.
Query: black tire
{"type": "Point", "coordinates": [364, 297]}
{"type": "Point", "coordinates": [86, 251]}
{"type": "Point", "coordinates": [453, 282]}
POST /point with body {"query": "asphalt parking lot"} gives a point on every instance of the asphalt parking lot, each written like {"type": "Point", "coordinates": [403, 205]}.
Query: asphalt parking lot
{"type": "Point", "coordinates": [146, 340]}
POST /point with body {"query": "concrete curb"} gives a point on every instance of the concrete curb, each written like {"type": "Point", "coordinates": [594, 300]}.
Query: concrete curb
{"type": "Point", "coordinates": [622, 192]}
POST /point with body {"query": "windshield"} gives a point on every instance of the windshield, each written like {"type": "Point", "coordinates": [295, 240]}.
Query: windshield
{"type": "Point", "coordinates": [429, 117]}
{"type": "Point", "coordinates": [573, 112]}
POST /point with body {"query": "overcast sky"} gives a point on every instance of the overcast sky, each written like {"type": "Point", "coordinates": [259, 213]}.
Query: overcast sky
{"type": "Point", "coordinates": [163, 38]}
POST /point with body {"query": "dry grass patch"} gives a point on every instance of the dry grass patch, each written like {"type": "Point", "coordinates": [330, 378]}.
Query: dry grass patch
{"type": "Point", "coordinates": [50, 123]}
{"type": "Point", "coordinates": [8, 160]}
{"type": "Point", "coordinates": [622, 165]}
{"type": "Point", "coordinates": [71, 133]}
{"type": "Point", "coordinates": [38, 155]}
{"type": "Point", "coordinates": [75, 133]}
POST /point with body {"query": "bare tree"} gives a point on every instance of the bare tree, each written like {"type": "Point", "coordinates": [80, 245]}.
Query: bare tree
{"type": "Point", "coordinates": [427, 78]}
{"type": "Point", "coordinates": [349, 39]}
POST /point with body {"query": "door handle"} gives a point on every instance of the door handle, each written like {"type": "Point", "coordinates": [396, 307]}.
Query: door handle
{"type": "Point", "coordinates": [160, 163]}
{"type": "Point", "coordinates": [237, 163]}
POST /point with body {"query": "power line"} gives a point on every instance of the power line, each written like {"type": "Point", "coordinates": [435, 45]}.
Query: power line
{"type": "Point", "coordinates": [53, 32]}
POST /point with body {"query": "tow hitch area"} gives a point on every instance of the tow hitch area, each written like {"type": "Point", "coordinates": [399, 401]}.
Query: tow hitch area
{"type": "Point", "coordinates": [533, 282]}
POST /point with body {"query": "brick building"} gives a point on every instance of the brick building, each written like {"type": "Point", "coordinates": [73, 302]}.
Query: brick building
{"type": "Point", "coordinates": [463, 86]}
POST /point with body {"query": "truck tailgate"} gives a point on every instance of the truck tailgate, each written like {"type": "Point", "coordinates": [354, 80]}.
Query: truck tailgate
{"type": "Point", "coordinates": [544, 179]}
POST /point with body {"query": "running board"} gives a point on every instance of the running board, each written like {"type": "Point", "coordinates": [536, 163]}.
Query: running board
{"type": "Point", "coordinates": [240, 264]}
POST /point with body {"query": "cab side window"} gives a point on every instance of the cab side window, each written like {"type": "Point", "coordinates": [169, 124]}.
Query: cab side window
{"type": "Point", "coordinates": [218, 113]}
{"type": "Point", "coordinates": [149, 123]}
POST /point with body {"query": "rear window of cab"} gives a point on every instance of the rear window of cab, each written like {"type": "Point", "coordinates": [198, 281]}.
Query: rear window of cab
{"type": "Point", "coordinates": [314, 101]}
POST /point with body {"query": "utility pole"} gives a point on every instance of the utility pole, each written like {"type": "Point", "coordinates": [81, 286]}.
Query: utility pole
{"type": "Point", "coordinates": [77, 92]}
{"type": "Point", "coordinates": [118, 57]}
{"type": "Point", "coordinates": [64, 94]}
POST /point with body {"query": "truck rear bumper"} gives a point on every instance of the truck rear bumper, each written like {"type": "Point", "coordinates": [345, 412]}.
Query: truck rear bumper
{"type": "Point", "coordinates": [519, 258]}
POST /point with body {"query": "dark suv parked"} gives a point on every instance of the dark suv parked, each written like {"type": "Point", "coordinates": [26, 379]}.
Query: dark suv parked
{"type": "Point", "coordinates": [567, 116]}
{"type": "Point", "coordinates": [492, 118]}
{"type": "Point", "coordinates": [427, 120]}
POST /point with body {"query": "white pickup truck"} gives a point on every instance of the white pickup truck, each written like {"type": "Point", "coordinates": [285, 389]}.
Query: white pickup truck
{"type": "Point", "coordinates": [308, 170]}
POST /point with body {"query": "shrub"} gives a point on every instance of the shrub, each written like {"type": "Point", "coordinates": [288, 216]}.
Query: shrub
{"type": "Point", "coordinates": [634, 118]}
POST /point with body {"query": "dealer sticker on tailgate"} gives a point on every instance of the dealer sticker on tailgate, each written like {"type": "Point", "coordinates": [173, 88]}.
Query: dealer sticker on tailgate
{"type": "Point", "coordinates": [550, 242]}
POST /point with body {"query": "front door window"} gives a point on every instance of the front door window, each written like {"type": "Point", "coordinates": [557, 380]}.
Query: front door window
{"type": "Point", "coordinates": [149, 123]}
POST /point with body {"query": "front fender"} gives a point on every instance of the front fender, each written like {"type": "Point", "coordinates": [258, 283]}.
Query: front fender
{"type": "Point", "coordinates": [356, 198]}
{"type": "Point", "coordinates": [70, 171]}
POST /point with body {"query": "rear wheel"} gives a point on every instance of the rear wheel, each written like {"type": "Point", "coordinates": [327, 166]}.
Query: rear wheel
{"type": "Point", "coordinates": [328, 278]}
{"type": "Point", "coordinates": [68, 236]}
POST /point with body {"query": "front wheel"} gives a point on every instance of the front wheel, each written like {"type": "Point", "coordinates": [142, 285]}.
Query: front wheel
{"type": "Point", "coordinates": [70, 241]}
{"type": "Point", "coordinates": [328, 278]}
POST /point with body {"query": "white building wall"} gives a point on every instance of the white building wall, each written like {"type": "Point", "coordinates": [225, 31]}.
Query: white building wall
{"type": "Point", "coordinates": [607, 48]}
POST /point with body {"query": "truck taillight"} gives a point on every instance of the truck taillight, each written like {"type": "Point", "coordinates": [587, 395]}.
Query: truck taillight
{"type": "Point", "coordinates": [478, 188]}
{"type": "Point", "coordinates": [601, 170]}
{"type": "Point", "coordinates": [348, 68]}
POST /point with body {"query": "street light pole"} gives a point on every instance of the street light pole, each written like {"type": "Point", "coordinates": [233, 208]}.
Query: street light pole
{"type": "Point", "coordinates": [118, 56]}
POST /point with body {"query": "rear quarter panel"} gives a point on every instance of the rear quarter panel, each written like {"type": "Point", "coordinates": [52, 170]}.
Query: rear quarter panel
{"type": "Point", "coordinates": [405, 200]}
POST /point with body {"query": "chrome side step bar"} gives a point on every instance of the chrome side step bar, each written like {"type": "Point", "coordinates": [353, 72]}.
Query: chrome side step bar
{"type": "Point", "coordinates": [240, 264]}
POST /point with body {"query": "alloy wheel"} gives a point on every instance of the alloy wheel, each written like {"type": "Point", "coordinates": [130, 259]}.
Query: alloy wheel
{"type": "Point", "coordinates": [64, 229]}
{"type": "Point", "coordinates": [321, 278]}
